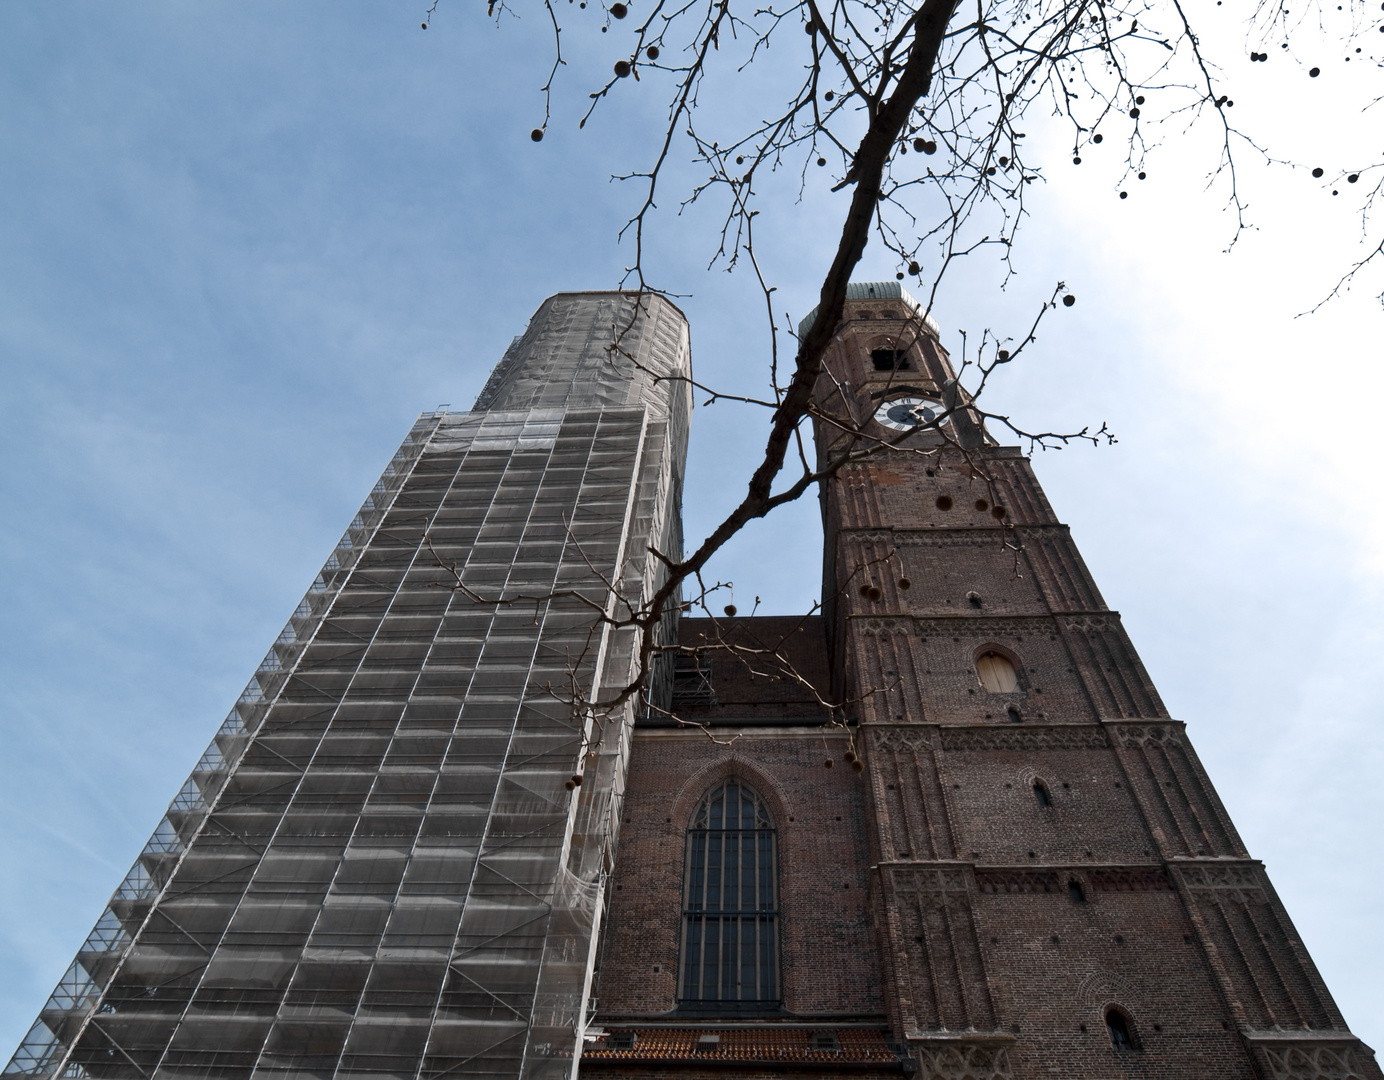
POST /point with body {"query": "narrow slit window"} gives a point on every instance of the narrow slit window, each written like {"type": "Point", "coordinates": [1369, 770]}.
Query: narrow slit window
{"type": "Point", "coordinates": [1042, 794]}
{"type": "Point", "coordinates": [1121, 1031]}
{"type": "Point", "coordinates": [730, 900]}
{"type": "Point", "coordinates": [1076, 892]}
{"type": "Point", "coordinates": [997, 673]}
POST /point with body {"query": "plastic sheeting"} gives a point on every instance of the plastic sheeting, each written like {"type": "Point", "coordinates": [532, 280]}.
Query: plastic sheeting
{"type": "Point", "coordinates": [380, 866]}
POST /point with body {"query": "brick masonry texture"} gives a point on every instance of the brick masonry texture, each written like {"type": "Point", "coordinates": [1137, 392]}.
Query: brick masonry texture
{"type": "Point", "coordinates": [828, 965]}
{"type": "Point", "coordinates": [1009, 869]}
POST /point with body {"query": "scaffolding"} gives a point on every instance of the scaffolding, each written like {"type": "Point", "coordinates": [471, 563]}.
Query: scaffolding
{"type": "Point", "coordinates": [383, 864]}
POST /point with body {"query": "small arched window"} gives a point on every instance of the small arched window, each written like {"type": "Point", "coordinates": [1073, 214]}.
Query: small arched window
{"type": "Point", "coordinates": [1042, 794]}
{"type": "Point", "coordinates": [730, 900]}
{"type": "Point", "coordinates": [997, 672]}
{"type": "Point", "coordinates": [1076, 892]}
{"type": "Point", "coordinates": [1121, 1030]}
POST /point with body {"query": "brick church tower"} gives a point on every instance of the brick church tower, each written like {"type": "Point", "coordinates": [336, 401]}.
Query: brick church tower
{"type": "Point", "coordinates": [998, 857]}
{"type": "Point", "coordinates": [943, 829]}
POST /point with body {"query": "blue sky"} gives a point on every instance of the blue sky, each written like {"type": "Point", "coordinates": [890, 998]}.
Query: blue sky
{"type": "Point", "coordinates": [243, 245]}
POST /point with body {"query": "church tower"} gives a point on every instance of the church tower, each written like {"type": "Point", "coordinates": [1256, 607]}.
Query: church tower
{"type": "Point", "coordinates": [999, 858]}
{"type": "Point", "coordinates": [943, 829]}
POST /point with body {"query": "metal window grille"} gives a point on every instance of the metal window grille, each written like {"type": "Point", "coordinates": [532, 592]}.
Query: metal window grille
{"type": "Point", "coordinates": [730, 905]}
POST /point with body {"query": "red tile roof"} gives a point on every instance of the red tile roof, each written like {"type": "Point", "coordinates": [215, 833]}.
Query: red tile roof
{"type": "Point", "coordinates": [768, 1045]}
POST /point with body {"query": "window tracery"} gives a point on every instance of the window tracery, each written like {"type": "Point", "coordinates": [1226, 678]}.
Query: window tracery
{"type": "Point", "coordinates": [730, 900]}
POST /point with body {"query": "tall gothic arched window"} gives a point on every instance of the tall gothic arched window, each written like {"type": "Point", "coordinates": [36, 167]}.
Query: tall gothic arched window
{"type": "Point", "coordinates": [730, 900]}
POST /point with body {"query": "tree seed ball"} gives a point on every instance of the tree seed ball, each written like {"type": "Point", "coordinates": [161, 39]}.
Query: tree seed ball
{"type": "Point", "coordinates": [918, 145]}
{"type": "Point", "coordinates": [730, 610]}
{"type": "Point", "coordinates": [929, 147]}
{"type": "Point", "coordinates": [536, 134]}
{"type": "Point", "coordinates": [1124, 194]}
{"type": "Point", "coordinates": [651, 52]}
{"type": "Point", "coordinates": [821, 161]}
{"type": "Point", "coordinates": [622, 68]}
{"type": "Point", "coordinates": [740, 159]}
{"type": "Point", "coordinates": [914, 268]}
{"type": "Point", "coordinates": [1314, 73]}
{"type": "Point", "coordinates": [1003, 160]}
{"type": "Point", "coordinates": [1142, 175]}
{"type": "Point", "coordinates": [829, 95]}
{"type": "Point", "coordinates": [899, 275]}
{"type": "Point", "coordinates": [1139, 100]}
{"type": "Point", "coordinates": [1068, 300]}
{"type": "Point", "coordinates": [1317, 173]}
{"type": "Point", "coordinates": [1352, 178]}
{"type": "Point", "coordinates": [1004, 354]}
{"type": "Point", "coordinates": [1097, 137]}
{"type": "Point", "coordinates": [1134, 114]}
{"type": "Point", "coordinates": [1076, 161]}
{"type": "Point", "coordinates": [828, 763]}
{"type": "Point", "coordinates": [619, 10]}
{"type": "Point", "coordinates": [425, 26]}
{"type": "Point", "coordinates": [858, 765]}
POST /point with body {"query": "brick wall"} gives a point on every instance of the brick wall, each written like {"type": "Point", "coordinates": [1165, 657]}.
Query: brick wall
{"type": "Point", "coordinates": [828, 964]}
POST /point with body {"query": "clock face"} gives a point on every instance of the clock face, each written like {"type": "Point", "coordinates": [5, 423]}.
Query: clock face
{"type": "Point", "coordinates": [904, 413]}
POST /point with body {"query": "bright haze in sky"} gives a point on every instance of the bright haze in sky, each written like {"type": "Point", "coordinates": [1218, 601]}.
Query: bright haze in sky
{"type": "Point", "coordinates": [243, 245]}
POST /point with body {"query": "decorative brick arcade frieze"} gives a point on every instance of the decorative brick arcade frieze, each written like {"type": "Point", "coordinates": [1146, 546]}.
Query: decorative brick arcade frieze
{"type": "Point", "coordinates": [1025, 737]}
{"type": "Point", "coordinates": [1241, 882]}
{"type": "Point", "coordinates": [1054, 879]}
{"type": "Point", "coordinates": [1282, 1057]}
{"type": "Point", "coordinates": [873, 626]}
{"type": "Point", "coordinates": [956, 1060]}
{"type": "Point", "coordinates": [911, 738]}
{"type": "Point", "coordinates": [1163, 733]}
{"type": "Point", "coordinates": [985, 626]}
{"type": "Point", "coordinates": [992, 536]}
{"type": "Point", "coordinates": [1091, 621]}
{"type": "Point", "coordinates": [931, 881]}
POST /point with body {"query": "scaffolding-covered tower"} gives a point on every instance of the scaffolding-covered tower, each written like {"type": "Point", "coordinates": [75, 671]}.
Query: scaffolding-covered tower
{"type": "Point", "coordinates": [382, 865]}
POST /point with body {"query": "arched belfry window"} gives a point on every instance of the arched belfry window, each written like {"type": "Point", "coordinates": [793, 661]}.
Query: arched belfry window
{"type": "Point", "coordinates": [730, 900]}
{"type": "Point", "coordinates": [997, 672]}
